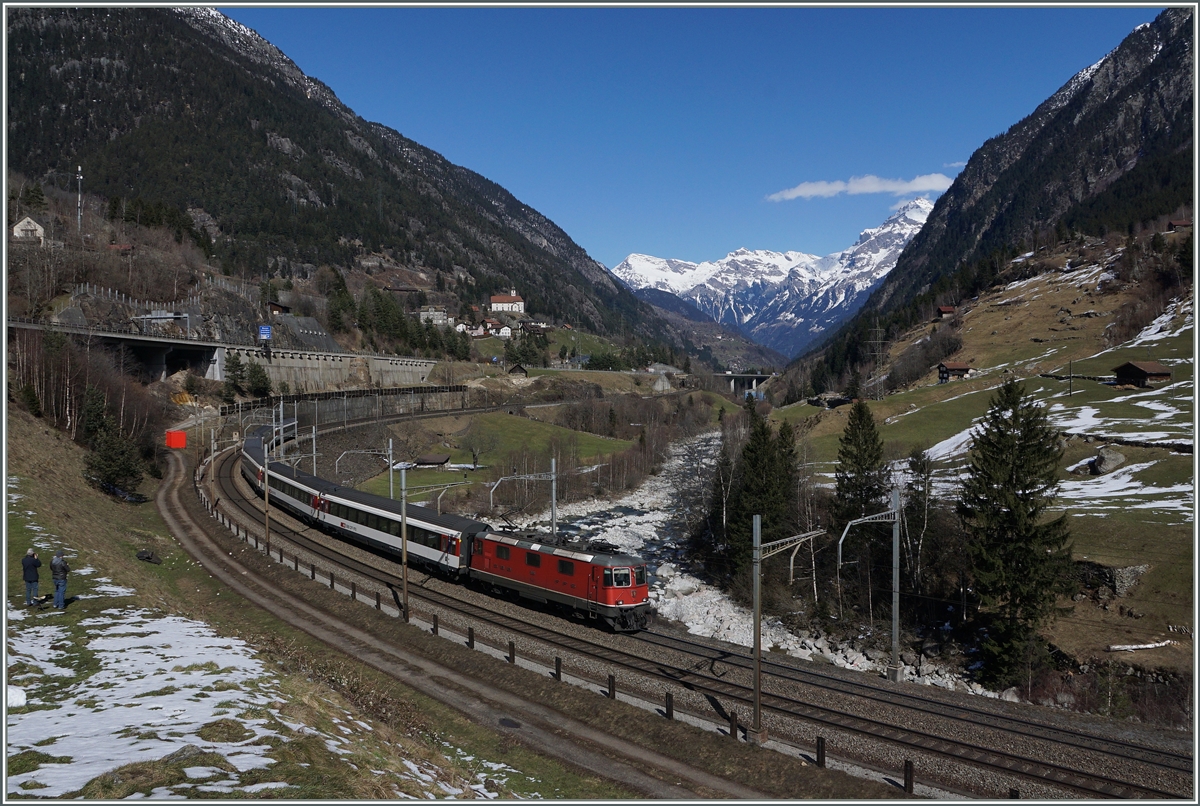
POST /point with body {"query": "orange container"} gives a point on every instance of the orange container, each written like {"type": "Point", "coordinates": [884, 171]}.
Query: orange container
{"type": "Point", "coordinates": [177, 439]}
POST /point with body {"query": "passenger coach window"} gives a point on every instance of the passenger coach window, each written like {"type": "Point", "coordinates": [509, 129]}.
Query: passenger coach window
{"type": "Point", "coordinates": [621, 577]}
{"type": "Point", "coordinates": [566, 568]}
{"type": "Point", "coordinates": [639, 575]}
{"type": "Point", "coordinates": [533, 558]}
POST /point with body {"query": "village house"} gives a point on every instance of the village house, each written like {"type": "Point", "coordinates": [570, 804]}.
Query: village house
{"type": "Point", "coordinates": [944, 312]}
{"type": "Point", "coordinates": [517, 369]}
{"type": "Point", "coordinates": [509, 303]}
{"type": "Point", "coordinates": [29, 231]}
{"type": "Point", "coordinates": [1142, 373]}
{"type": "Point", "coordinates": [1179, 225]}
{"type": "Point", "coordinates": [435, 314]}
{"type": "Point", "coordinates": [950, 370]}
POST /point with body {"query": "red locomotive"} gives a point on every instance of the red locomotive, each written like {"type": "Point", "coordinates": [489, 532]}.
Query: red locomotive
{"type": "Point", "coordinates": [593, 580]}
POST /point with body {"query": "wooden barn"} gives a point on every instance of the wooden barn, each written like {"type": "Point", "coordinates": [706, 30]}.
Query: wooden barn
{"type": "Point", "coordinates": [949, 370]}
{"type": "Point", "coordinates": [1142, 373]}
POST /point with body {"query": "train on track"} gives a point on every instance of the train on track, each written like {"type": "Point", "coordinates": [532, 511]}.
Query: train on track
{"type": "Point", "coordinates": [590, 580]}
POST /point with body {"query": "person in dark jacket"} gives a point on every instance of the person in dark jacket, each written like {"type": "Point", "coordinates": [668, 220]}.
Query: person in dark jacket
{"type": "Point", "coordinates": [30, 565]}
{"type": "Point", "coordinates": [58, 572]}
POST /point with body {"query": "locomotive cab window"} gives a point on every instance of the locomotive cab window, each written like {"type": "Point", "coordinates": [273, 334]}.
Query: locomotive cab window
{"type": "Point", "coordinates": [608, 577]}
{"type": "Point", "coordinates": [566, 568]}
{"type": "Point", "coordinates": [639, 575]}
{"type": "Point", "coordinates": [532, 558]}
{"type": "Point", "coordinates": [621, 577]}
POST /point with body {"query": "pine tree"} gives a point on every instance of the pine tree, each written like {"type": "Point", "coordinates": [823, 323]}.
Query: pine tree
{"type": "Point", "coordinates": [257, 382]}
{"type": "Point", "coordinates": [92, 418]}
{"type": "Point", "coordinates": [114, 459]}
{"type": "Point", "coordinates": [861, 473]}
{"type": "Point", "coordinates": [1021, 560]}
{"type": "Point", "coordinates": [766, 479]}
{"type": "Point", "coordinates": [234, 372]}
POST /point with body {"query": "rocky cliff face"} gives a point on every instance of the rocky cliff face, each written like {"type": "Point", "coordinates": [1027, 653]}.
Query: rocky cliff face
{"type": "Point", "coordinates": [1132, 107]}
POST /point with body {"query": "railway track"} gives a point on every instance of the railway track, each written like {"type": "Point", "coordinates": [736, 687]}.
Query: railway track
{"type": "Point", "coordinates": [890, 695]}
{"type": "Point", "coordinates": [904, 708]}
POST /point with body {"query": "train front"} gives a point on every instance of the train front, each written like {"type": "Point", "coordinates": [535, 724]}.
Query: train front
{"type": "Point", "coordinates": [624, 591]}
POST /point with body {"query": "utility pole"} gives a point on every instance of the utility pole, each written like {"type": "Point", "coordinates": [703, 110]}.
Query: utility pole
{"type": "Point", "coordinates": [79, 200]}
{"type": "Point", "coordinates": [895, 670]}
{"type": "Point", "coordinates": [757, 733]}
{"type": "Point", "coordinates": [404, 539]}
{"type": "Point", "coordinates": [267, 483]}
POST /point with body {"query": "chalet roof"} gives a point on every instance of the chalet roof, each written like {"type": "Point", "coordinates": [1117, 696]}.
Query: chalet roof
{"type": "Point", "coordinates": [517, 369]}
{"type": "Point", "coordinates": [503, 298]}
{"type": "Point", "coordinates": [955, 366]}
{"type": "Point", "coordinates": [1143, 367]}
{"type": "Point", "coordinates": [945, 309]}
{"type": "Point", "coordinates": [433, 459]}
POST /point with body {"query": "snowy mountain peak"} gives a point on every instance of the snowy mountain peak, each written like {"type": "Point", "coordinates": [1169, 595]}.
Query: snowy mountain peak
{"type": "Point", "coordinates": [783, 300]}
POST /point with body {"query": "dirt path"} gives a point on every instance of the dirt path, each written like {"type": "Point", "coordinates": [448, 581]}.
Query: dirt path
{"type": "Point", "coordinates": [535, 726]}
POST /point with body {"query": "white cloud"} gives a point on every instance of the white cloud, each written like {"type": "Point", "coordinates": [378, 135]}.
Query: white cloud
{"type": "Point", "coordinates": [865, 184]}
{"type": "Point", "coordinates": [954, 165]}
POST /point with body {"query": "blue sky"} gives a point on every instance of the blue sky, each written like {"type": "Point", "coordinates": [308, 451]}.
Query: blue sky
{"type": "Point", "coordinates": [691, 132]}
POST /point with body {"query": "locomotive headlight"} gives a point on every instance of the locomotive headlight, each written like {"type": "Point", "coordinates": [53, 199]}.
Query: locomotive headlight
{"type": "Point", "coordinates": [620, 601]}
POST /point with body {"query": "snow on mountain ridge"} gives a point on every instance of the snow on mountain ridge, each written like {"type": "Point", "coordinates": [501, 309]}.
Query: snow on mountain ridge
{"type": "Point", "coordinates": [783, 300]}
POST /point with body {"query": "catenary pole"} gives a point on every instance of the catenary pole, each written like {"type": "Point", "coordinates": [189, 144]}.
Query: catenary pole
{"type": "Point", "coordinates": [757, 734]}
{"type": "Point", "coordinates": [404, 539]}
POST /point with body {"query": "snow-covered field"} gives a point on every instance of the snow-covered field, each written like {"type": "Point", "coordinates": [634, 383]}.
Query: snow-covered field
{"type": "Point", "coordinates": [127, 685]}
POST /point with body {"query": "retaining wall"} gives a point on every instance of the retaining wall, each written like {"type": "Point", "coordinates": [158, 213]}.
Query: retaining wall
{"type": "Point", "coordinates": [320, 372]}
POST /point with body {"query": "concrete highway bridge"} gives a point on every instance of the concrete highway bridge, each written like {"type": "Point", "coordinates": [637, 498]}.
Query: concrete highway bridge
{"type": "Point", "coordinates": [743, 382]}
{"type": "Point", "coordinates": [301, 370]}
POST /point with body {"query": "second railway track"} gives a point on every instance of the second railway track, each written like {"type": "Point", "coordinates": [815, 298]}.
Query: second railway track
{"type": "Point", "coordinates": [1098, 767]}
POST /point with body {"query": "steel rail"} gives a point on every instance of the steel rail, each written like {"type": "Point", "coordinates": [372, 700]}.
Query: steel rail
{"type": "Point", "coordinates": [1043, 772]}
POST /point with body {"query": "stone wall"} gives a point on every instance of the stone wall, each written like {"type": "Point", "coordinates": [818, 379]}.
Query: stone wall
{"type": "Point", "coordinates": [322, 372]}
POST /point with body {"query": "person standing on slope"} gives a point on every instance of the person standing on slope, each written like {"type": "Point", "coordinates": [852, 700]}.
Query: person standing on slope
{"type": "Point", "coordinates": [30, 565]}
{"type": "Point", "coordinates": [58, 571]}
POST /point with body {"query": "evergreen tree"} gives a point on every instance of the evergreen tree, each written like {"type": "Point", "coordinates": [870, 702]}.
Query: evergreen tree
{"type": "Point", "coordinates": [766, 478]}
{"type": "Point", "coordinates": [114, 459]}
{"type": "Point", "coordinates": [34, 198]}
{"type": "Point", "coordinates": [92, 417]}
{"type": "Point", "coordinates": [235, 372]}
{"type": "Point", "coordinates": [1021, 560]}
{"type": "Point", "coordinates": [257, 382]}
{"type": "Point", "coordinates": [861, 473]}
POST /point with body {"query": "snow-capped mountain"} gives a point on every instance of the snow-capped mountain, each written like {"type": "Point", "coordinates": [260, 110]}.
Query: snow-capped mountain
{"type": "Point", "coordinates": [782, 300]}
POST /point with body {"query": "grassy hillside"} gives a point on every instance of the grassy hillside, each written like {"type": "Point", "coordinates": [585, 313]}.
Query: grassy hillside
{"type": "Point", "coordinates": [1140, 513]}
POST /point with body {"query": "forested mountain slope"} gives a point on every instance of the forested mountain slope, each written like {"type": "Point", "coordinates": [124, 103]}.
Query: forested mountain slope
{"type": "Point", "coordinates": [188, 108]}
